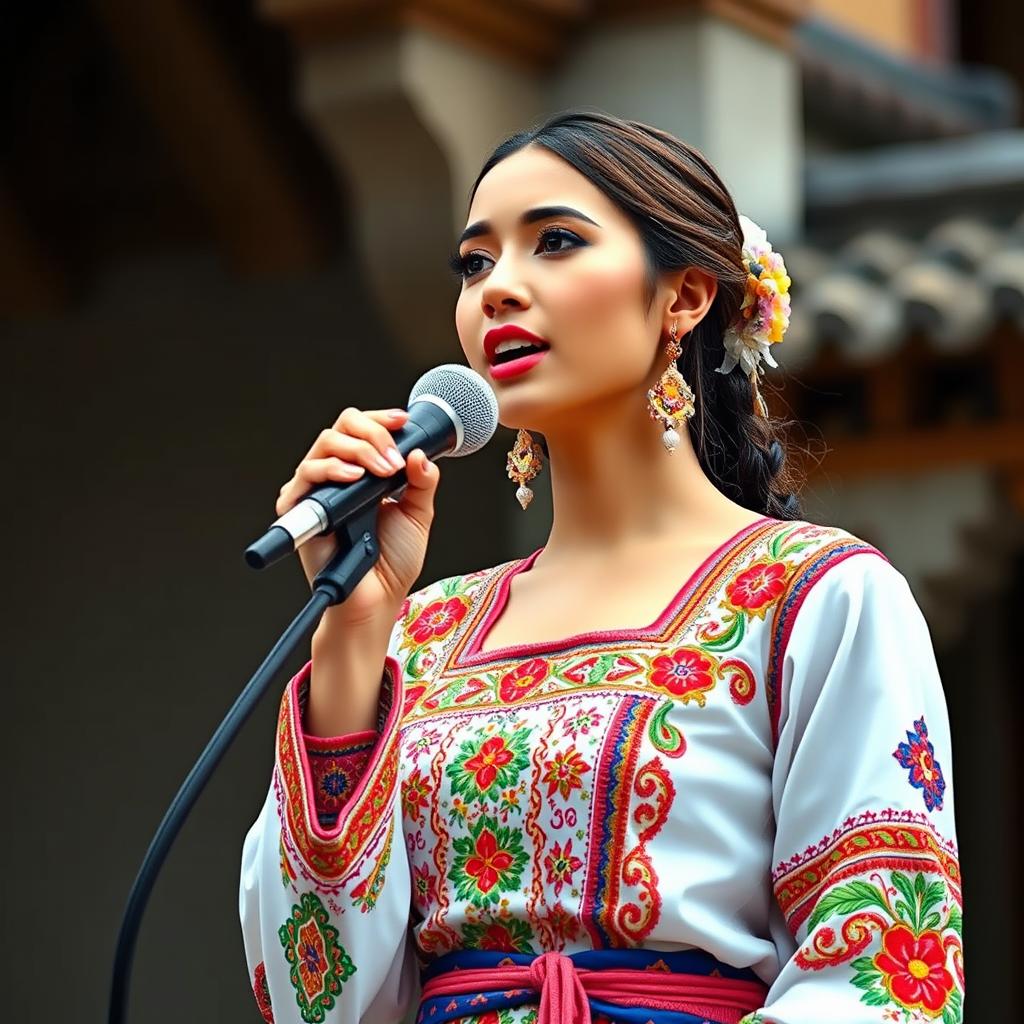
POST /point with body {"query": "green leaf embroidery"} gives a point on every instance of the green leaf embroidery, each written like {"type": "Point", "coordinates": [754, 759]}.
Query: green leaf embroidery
{"type": "Point", "coordinates": [876, 997]}
{"type": "Point", "coordinates": [907, 910]}
{"type": "Point", "coordinates": [956, 921]}
{"type": "Point", "coordinates": [953, 1014]}
{"type": "Point", "coordinates": [933, 894]}
{"type": "Point", "coordinates": [845, 899]}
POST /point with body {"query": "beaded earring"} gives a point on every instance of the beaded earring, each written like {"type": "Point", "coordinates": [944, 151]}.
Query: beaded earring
{"type": "Point", "coordinates": [670, 401]}
{"type": "Point", "coordinates": [524, 463]}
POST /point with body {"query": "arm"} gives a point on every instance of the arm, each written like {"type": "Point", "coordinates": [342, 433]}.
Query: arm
{"type": "Point", "coordinates": [324, 897]}
{"type": "Point", "coordinates": [866, 883]}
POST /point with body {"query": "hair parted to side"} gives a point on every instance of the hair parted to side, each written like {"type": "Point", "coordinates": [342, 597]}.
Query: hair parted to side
{"type": "Point", "coordinates": [686, 218]}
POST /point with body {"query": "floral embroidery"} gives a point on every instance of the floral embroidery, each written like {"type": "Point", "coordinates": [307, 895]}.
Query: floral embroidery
{"type": "Point", "coordinates": [918, 755]}
{"type": "Point", "coordinates": [561, 864]}
{"type": "Point", "coordinates": [415, 796]}
{"type": "Point", "coordinates": [920, 930]}
{"type": "Point", "coordinates": [424, 885]}
{"type": "Point", "coordinates": [328, 854]}
{"type": "Point", "coordinates": [437, 620]}
{"type": "Point", "coordinates": [319, 964]}
{"type": "Point", "coordinates": [261, 990]}
{"type": "Point", "coordinates": [757, 587]}
{"type": "Point", "coordinates": [686, 673]}
{"type": "Point", "coordinates": [582, 722]}
{"type": "Point", "coordinates": [488, 862]}
{"type": "Point", "coordinates": [564, 772]}
{"type": "Point", "coordinates": [522, 680]}
{"type": "Point", "coordinates": [914, 970]}
{"type": "Point", "coordinates": [562, 925]}
{"type": "Point", "coordinates": [484, 766]}
{"type": "Point", "coordinates": [507, 934]}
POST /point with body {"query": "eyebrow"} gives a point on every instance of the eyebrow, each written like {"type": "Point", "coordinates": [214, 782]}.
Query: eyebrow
{"type": "Point", "coordinates": [483, 227]}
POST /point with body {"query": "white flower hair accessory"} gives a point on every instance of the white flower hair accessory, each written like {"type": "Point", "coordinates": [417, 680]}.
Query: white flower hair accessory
{"type": "Point", "coordinates": [764, 312]}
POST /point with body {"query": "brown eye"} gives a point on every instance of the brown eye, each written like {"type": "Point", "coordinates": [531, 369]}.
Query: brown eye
{"type": "Point", "coordinates": [557, 236]}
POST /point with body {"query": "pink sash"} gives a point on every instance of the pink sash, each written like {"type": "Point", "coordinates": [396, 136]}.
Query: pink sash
{"type": "Point", "coordinates": [564, 989]}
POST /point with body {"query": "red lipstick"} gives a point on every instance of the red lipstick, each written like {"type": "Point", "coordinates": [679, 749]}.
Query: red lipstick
{"type": "Point", "coordinates": [520, 364]}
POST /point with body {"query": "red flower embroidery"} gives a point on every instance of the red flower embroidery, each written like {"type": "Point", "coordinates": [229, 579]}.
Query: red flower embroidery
{"type": "Point", "coordinates": [423, 885]}
{"type": "Point", "coordinates": [914, 969]}
{"type": "Point", "coordinates": [564, 772]}
{"type": "Point", "coordinates": [561, 864]}
{"type": "Point", "coordinates": [488, 861]}
{"type": "Point", "coordinates": [758, 586]}
{"type": "Point", "coordinates": [685, 673]}
{"type": "Point", "coordinates": [438, 619]}
{"type": "Point", "coordinates": [415, 795]}
{"type": "Point", "coordinates": [494, 754]}
{"type": "Point", "coordinates": [522, 680]}
{"type": "Point", "coordinates": [563, 925]}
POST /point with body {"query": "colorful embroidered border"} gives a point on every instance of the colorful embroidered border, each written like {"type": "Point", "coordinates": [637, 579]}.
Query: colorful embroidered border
{"type": "Point", "coordinates": [329, 852]}
{"type": "Point", "coordinates": [610, 822]}
{"type": "Point", "coordinates": [691, 596]}
{"type": "Point", "coordinates": [788, 606]}
{"type": "Point", "coordinates": [900, 846]}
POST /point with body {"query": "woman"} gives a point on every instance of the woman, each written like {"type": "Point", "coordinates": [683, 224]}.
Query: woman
{"type": "Point", "coordinates": [504, 796]}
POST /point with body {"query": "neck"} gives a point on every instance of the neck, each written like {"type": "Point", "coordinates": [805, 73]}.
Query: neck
{"type": "Point", "coordinates": [615, 489]}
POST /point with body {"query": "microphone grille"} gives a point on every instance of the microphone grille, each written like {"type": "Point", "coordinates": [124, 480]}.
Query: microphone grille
{"type": "Point", "coordinates": [470, 398]}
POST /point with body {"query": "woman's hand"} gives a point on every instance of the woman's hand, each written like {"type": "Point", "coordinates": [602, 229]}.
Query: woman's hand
{"type": "Point", "coordinates": [360, 442]}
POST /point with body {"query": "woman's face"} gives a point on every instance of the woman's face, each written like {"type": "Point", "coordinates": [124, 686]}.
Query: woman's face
{"type": "Point", "coordinates": [575, 279]}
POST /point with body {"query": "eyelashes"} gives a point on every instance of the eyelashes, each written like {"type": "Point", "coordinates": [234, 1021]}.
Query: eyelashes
{"type": "Point", "coordinates": [460, 265]}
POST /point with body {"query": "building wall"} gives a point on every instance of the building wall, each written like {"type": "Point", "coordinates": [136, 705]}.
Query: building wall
{"type": "Point", "coordinates": [148, 435]}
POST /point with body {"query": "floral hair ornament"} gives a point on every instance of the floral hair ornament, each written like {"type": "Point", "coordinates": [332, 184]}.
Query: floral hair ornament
{"type": "Point", "coordinates": [764, 312]}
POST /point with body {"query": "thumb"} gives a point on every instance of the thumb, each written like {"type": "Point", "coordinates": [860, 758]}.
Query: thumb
{"type": "Point", "coordinates": [423, 476]}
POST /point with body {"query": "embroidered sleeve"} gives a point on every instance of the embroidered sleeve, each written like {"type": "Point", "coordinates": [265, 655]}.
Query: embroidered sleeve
{"type": "Point", "coordinates": [325, 892]}
{"type": "Point", "coordinates": [866, 880]}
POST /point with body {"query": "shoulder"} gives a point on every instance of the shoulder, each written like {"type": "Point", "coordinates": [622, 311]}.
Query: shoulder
{"type": "Point", "coordinates": [814, 558]}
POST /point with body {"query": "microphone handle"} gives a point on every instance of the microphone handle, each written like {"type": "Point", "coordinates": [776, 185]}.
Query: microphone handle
{"type": "Point", "coordinates": [327, 506]}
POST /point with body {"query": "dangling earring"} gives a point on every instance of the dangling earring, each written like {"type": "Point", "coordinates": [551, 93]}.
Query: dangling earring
{"type": "Point", "coordinates": [670, 401]}
{"type": "Point", "coordinates": [524, 463]}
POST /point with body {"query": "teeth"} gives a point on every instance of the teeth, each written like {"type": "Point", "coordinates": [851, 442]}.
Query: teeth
{"type": "Point", "coordinates": [511, 345]}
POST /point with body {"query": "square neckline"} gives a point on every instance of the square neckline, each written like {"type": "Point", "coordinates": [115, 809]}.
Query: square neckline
{"type": "Point", "coordinates": [496, 601]}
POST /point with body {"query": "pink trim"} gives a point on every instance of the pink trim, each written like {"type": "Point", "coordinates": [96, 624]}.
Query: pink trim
{"type": "Point", "coordinates": [342, 744]}
{"type": "Point", "coordinates": [789, 612]}
{"type": "Point", "coordinates": [473, 654]}
{"type": "Point", "coordinates": [390, 725]}
{"type": "Point", "coordinates": [565, 989]}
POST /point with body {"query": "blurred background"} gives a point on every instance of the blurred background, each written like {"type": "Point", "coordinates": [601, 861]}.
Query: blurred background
{"type": "Point", "coordinates": [222, 222]}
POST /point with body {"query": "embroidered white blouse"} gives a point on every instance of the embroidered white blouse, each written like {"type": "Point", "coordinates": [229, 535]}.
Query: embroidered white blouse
{"type": "Point", "coordinates": [762, 774]}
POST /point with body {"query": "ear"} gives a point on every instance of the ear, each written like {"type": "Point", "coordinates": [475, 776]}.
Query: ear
{"type": "Point", "coordinates": [692, 292]}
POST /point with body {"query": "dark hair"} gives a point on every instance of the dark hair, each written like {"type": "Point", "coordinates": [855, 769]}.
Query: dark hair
{"type": "Point", "coordinates": [686, 218]}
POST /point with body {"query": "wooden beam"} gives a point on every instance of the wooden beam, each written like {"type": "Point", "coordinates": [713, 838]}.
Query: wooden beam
{"type": "Point", "coordinates": [904, 453]}
{"type": "Point", "coordinates": [214, 132]}
{"type": "Point", "coordinates": [533, 33]}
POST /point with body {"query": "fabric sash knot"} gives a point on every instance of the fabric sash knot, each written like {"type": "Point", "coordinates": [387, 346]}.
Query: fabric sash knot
{"type": "Point", "coordinates": [562, 996]}
{"type": "Point", "coordinates": [687, 986]}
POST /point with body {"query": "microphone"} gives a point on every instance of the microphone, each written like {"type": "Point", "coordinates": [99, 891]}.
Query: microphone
{"type": "Point", "coordinates": [452, 412]}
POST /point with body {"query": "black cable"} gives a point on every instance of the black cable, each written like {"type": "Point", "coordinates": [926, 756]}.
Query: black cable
{"type": "Point", "coordinates": [190, 790]}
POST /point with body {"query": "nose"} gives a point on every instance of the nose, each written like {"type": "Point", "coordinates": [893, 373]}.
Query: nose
{"type": "Point", "coordinates": [503, 289]}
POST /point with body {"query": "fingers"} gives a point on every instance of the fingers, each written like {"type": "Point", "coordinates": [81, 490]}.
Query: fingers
{"type": "Point", "coordinates": [418, 499]}
{"type": "Point", "coordinates": [359, 441]}
{"type": "Point", "coordinates": [373, 427]}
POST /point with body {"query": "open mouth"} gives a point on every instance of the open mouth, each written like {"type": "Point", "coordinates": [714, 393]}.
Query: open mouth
{"type": "Point", "coordinates": [516, 350]}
